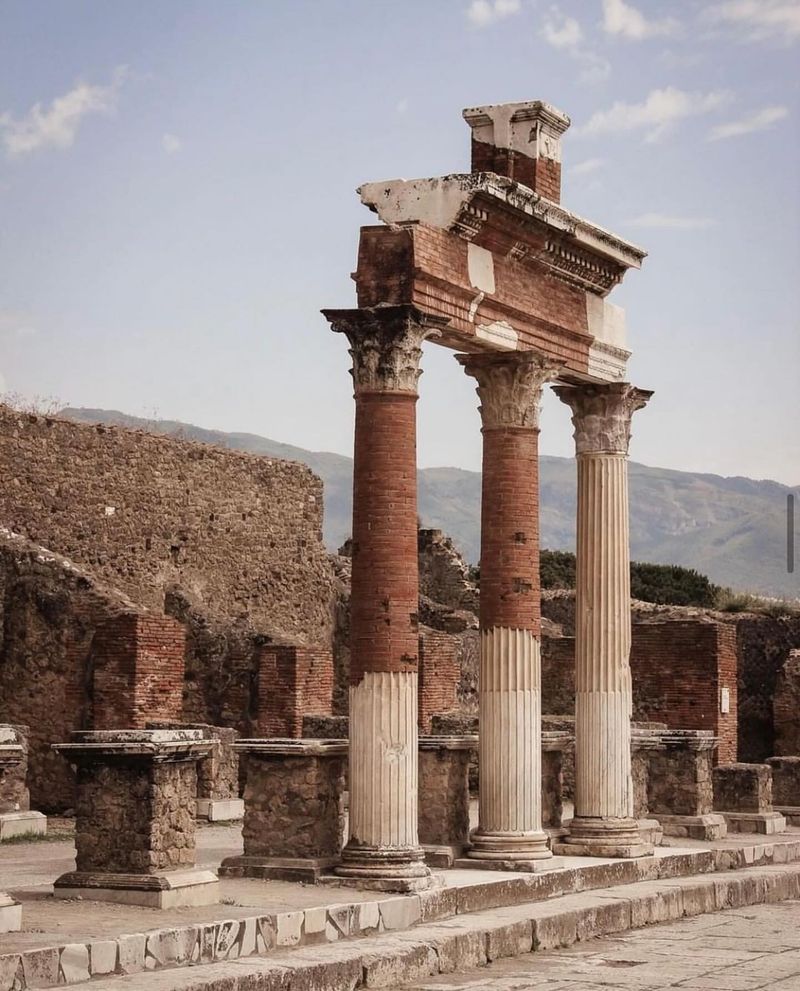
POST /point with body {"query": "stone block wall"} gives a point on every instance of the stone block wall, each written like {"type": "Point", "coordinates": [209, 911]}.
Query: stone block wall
{"type": "Point", "coordinates": [145, 512]}
{"type": "Point", "coordinates": [138, 671]}
{"type": "Point", "coordinates": [292, 682]}
{"type": "Point", "coordinates": [742, 787]}
{"type": "Point", "coordinates": [786, 707]}
{"type": "Point", "coordinates": [439, 675]}
{"type": "Point", "coordinates": [558, 675]}
{"type": "Point", "coordinates": [764, 645]}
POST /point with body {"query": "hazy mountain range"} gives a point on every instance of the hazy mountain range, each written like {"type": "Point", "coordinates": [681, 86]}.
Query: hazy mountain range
{"type": "Point", "coordinates": [732, 529]}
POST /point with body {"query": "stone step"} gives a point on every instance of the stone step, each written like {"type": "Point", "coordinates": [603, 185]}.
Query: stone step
{"type": "Point", "coordinates": [184, 945]}
{"type": "Point", "coordinates": [474, 940]}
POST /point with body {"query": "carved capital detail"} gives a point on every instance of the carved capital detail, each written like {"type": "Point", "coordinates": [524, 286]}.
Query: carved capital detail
{"type": "Point", "coordinates": [510, 386]}
{"type": "Point", "coordinates": [385, 344]}
{"type": "Point", "coordinates": [601, 415]}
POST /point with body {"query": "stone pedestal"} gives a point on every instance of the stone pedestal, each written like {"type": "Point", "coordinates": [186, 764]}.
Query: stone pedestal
{"type": "Point", "coordinates": [11, 756]}
{"type": "Point", "coordinates": [604, 824]}
{"type": "Point", "coordinates": [383, 851]}
{"type": "Point", "coordinates": [510, 829]}
{"type": "Point", "coordinates": [444, 797]}
{"type": "Point", "coordinates": [645, 743]}
{"type": "Point", "coordinates": [555, 743]}
{"type": "Point", "coordinates": [786, 787]}
{"type": "Point", "coordinates": [743, 794]}
{"type": "Point", "coordinates": [294, 819]}
{"type": "Point", "coordinates": [16, 816]}
{"type": "Point", "coordinates": [135, 818]}
{"type": "Point", "coordinates": [680, 792]}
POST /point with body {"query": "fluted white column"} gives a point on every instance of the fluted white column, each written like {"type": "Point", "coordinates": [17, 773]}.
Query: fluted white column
{"type": "Point", "coordinates": [603, 823]}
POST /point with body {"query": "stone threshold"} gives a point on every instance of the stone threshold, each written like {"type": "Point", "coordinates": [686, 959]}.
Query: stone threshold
{"type": "Point", "coordinates": [476, 940]}
{"type": "Point", "coordinates": [463, 894]}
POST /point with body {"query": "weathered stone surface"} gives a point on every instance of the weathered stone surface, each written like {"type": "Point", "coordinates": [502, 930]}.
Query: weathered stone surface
{"type": "Point", "coordinates": [14, 794]}
{"type": "Point", "coordinates": [786, 707]}
{"type": "Point", "coordinates": [444, 792]}
{"type": "Point", "coordinates": [742, 788]}
{"type": "Point", "coordinates": [294, 806]}
{"type": "Point", "coordinates": [679, 777]}
{"type": "Point", "coordinates": [785, 781]}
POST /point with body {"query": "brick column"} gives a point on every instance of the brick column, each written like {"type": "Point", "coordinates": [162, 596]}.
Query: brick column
{"type": "Point", "coordinates": [383, 850]}
{"type": "Point", "coordinates": [510, 756]}
{"type": "Point", "coordinates": [604, 823]}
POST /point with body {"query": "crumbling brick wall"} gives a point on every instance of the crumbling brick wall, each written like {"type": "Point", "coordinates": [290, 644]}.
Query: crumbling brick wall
{"type": "Point", "coordinates": [243, 534]}
{"type": "Point", "coordinates": [49, 612]}
{"type": "Point", "coordinates": [292, 681]}
{"type": "Point", "coordinates": [786, 707]}
{"type": "Point", "coordinates": [443, 573]}
{"type": "Point", "coordinates": [439, 675]}
{"type": "Point", "coordinates": [680, 671]}
{"type": "Point", "coordinates": [138, 671]}
{"type": "Point", "coordinates": [764, 644]}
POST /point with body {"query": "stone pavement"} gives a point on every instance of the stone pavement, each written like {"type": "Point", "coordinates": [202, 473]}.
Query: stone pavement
{"type": "Point", "coordinates": [752, 949]}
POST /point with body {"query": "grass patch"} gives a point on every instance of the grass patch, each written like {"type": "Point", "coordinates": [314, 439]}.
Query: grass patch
{"type": "Point", "coordinates": [37, 838]}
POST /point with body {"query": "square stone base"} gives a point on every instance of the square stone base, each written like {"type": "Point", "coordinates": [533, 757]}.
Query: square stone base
{"type": "Point", "coordinates": [604, 851]}
{"type": "Point", "coordinates": [173, 889]}
{"type": "Point", "coordinates": [442, 856]}
{"type": "Point", "coordinates": [755, 822]}
{"type": "Point", "coordinates": [22, 824]}
{"type": "Point", "coordinates": [706, 827]}
{"type": "Point", "coordinates": [791, 814]}
{"type": "Point", "coordinates": [307, 870]}
{"type": "Point", "coordinates": [519, 866]}
{"type": "Point", "coordinates": [10, 914]}
{"type": "Point", "coordinates": [220, 809]}
{"type": "Point", "coordinates": [651, 832]}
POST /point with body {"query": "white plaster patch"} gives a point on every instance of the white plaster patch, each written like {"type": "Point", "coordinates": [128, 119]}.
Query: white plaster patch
{"type": "Point", "coordinates": [606, 321]}
{"type": "Point", "coordinates": [607, 363]}
{"type": "Point", "coordinates": [480, 267]}
{"type": "Point", "coordinates": [289, 927]}
{"type": "Point", "coordinates": [499, 333]}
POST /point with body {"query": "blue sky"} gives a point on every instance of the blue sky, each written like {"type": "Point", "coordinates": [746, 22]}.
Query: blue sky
{"type": "Point", "coordinates": [177, 202]}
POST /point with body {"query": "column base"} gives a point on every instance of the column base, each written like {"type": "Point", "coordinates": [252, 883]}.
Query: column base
{"type": "Point", "coordinates": [22, 824]}
{"type": "Point", "coordinates": [441, 856]}
{"type": "Point", "coordinates": [477, 863]}
{"type": "Point", "coordinates": [220, 809]}
{"type": "Point", "coordinates": [615, 838]}
{"type": "Point", "coordinates": [765, 823]}
{"type": "Point", "coordinates": [380, 869]}
{"type": "Point", "coordinates": [705, 827]}
{"type": "Point", "coordinates": [172, 889]}
{"type": "Point", "coordinates": [10, 914]}
{"type": "Point", "coordinates": [306, 870]}
{"type": "Point", "coordinates": [508, 846]}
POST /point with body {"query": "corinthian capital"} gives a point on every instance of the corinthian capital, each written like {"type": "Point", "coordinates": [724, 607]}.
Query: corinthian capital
{"type": "Point", "coordinates": [601, 415]}
{"type": "Point", "coordinates": [509, 386]}
{"type": "Point", "coordinates": [385, 344]}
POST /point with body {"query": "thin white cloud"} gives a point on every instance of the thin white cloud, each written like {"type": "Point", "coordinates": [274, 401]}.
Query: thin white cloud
{"type": "Point", "coordinates": [15, 324]}
{"type": "Point", "coordinates": [55, 126]}
{"type": "Point", "coordinates": [758, 20]}
{"type": "Point", "coordinates": [660, 111]}
{"type": "Point", "coordinates": [481, 13]}
{"type": "Point", "coordinates": [670, 222]}
{"type": "Point", "coordinates": [587, 166]}
{"type": "Point", "coordinates": [565, 34]}
{"type": "Point", "coordinates": [402, 105]}
{"type": "Point", "coordinates": [625, 21]}
{"type": "Point", "coordinates": [759, 120]}
{"type": "Point", "coordinates": [171, 143]}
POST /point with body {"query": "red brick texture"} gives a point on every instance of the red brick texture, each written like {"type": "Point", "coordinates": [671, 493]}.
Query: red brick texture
{"type": "Point", "coordinates": [293, 681]}
{"type": "Point", "coordinates": [510, 530]}
{"type": "Point", "coordinates": [385, 581]}
{"type": "Point", "coordinates": [679, 670]}
{"type": "Point", "coordinates": [542, 175]}
{"type": "Point", "coordinates": [138, 672]}
{"type": "Point", "coordinates": [439, 675]}
{"type": "Point", "coordinates": [427, 267]}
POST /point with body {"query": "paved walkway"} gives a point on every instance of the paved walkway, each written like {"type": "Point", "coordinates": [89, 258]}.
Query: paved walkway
{"type": "Point", "coordinates": [744, 950]}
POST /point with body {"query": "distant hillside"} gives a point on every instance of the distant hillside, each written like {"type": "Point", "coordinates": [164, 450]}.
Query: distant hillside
{"type": "Point", "coordinates": [732, 529]}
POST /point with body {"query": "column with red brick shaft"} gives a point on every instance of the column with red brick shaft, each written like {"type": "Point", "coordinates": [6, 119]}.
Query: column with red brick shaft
{"type": "Point", "coordinates": [383, 849]}
{"type": "Point", "coordinates": [604, 823]}
{"type": "Point", "coordinates": [510, 760]}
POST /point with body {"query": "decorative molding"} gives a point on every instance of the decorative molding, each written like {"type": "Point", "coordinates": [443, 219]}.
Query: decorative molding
{"type": "Point", "coordinates": [580, 268]}
{"type": "Point", "coordinates": [470, 221]}
{"type": "Point", "coordinates": [601, 415]}
{"type": "Point", "coordinates": [510, 386]}
{"type": "Point", "coordinates": [385, 344]}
